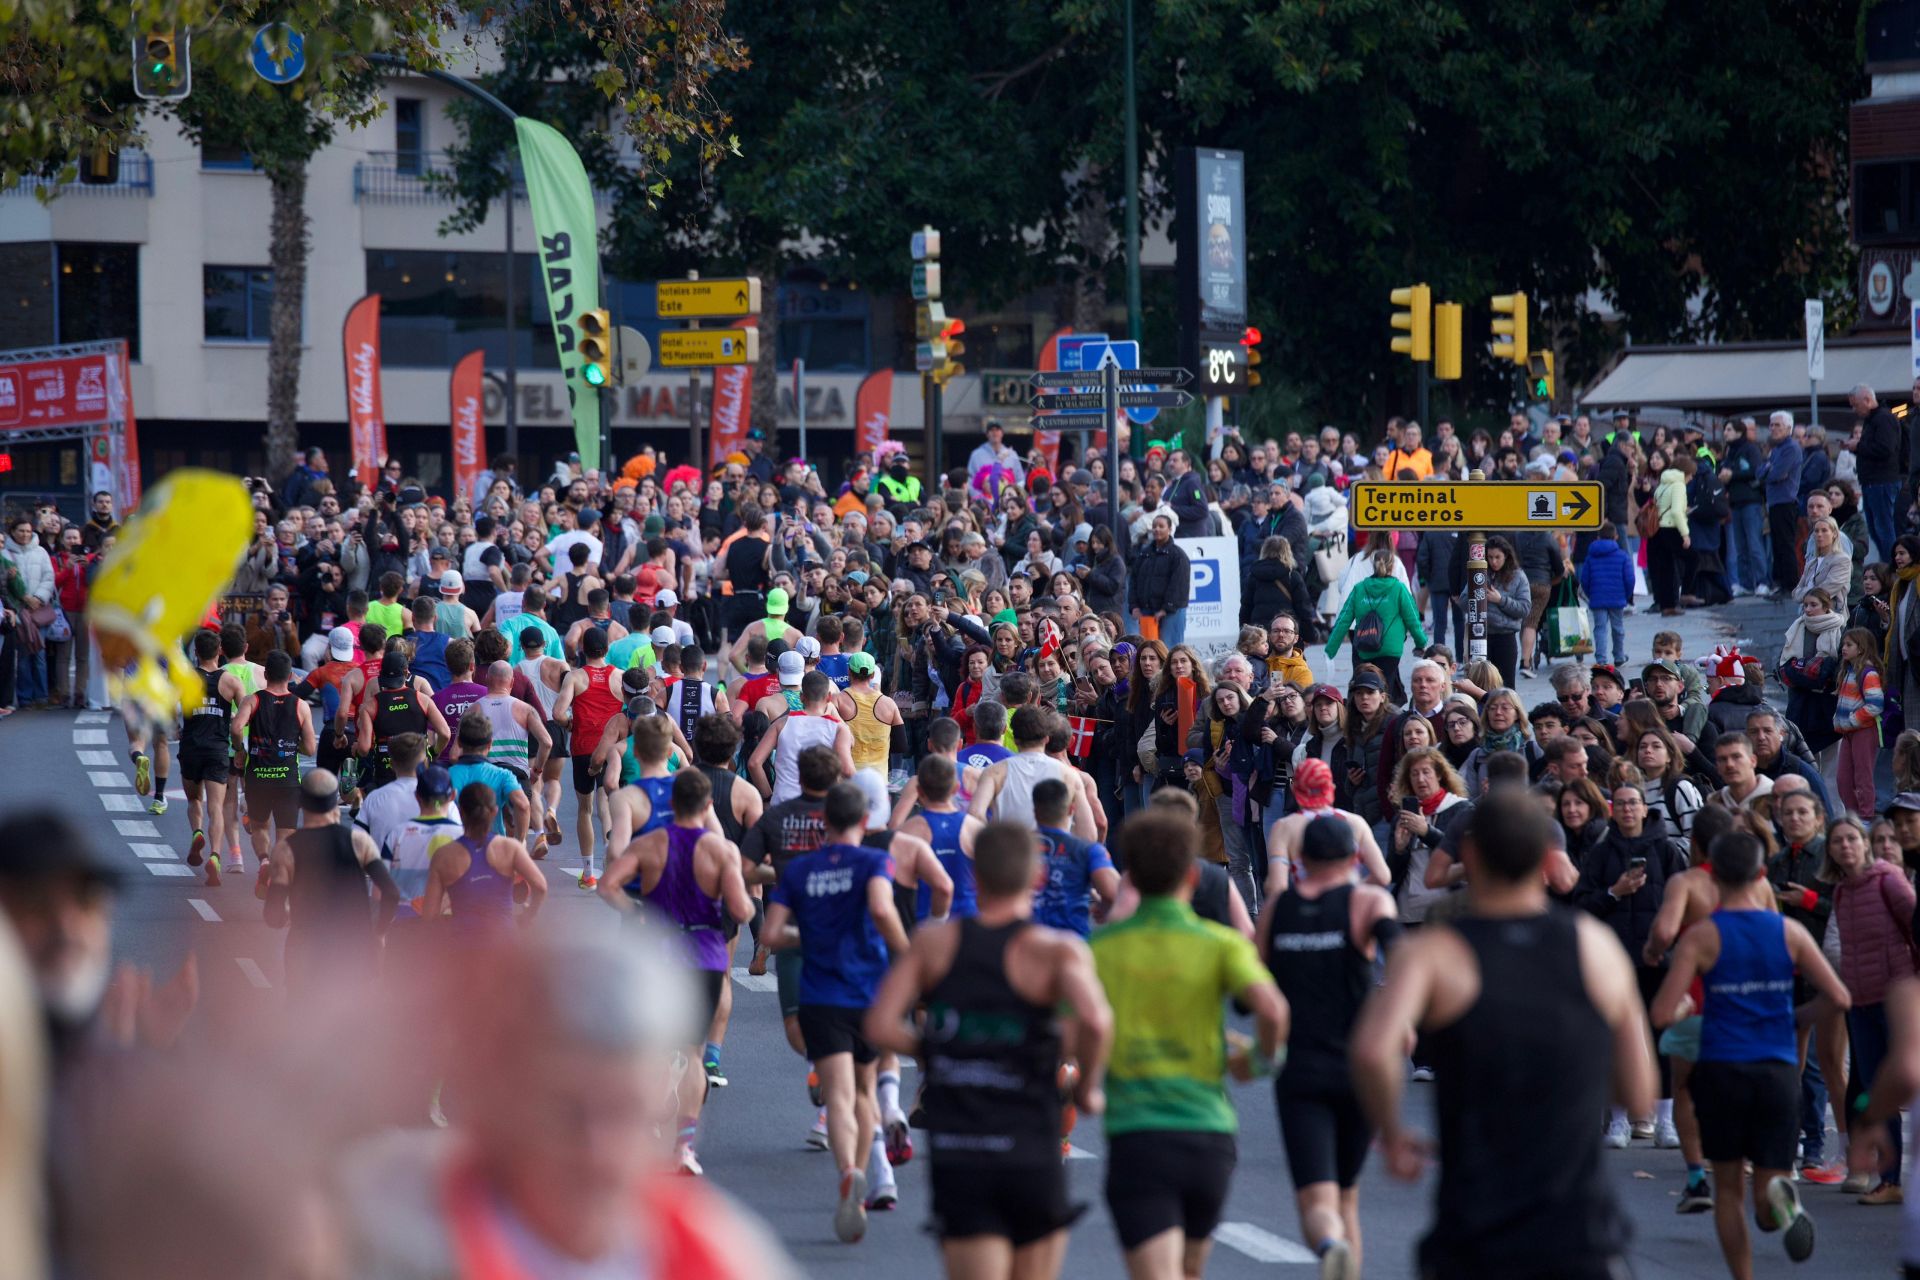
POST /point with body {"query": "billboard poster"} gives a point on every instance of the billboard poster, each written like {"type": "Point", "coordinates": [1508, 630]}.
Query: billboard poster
{"type": "Point", "coordinates": [1220, 216]}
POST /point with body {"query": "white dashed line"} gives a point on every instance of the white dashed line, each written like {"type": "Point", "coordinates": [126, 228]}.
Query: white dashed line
{"type": "Point", "coordinates": [89, 737]}
{"type": "Point", "coordinates": [205, 909]}
{"type": "Point", "coordinates": [168, 868]}
{"type": "Point", "coordinates": [764, 982]}
{"type": "Point", "coordinates": [98, 759]}
{"type": "Point", "coordinates": [1073, 1152]}
{"type": "Point", "coordinates": [115, 803]}
{"type": "Point", "coordinates": [254, 973]}
{"type": "Point", "coordinates": [1260, 1244]}
{"type": "Point", "coordinates": [91, 717]}
{"type": "Point", "coordinates": [136, 827]}
{"type": "Point", "coordinates": [106, 779]}
{"type": "Point", "coordinates": [156, 852]}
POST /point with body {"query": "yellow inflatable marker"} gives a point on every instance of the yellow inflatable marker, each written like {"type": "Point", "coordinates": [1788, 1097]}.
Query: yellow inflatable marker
{"type": "Point", "coordinates": [172, 560]}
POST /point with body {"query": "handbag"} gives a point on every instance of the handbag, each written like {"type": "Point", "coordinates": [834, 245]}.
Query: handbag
{"type": "Point", "coordinates": [60, 630]}
{"type": "Point", "coordinates": [1330, 561]}
{"type": "Point", "coordinates": [1646, 521]}
{"type": "Point", "coordinates": [1147, 749]}
{"type": "Point", "coordinates": [1569, 622]}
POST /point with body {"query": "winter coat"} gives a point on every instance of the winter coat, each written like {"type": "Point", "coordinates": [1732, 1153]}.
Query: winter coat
{"type": "Point", "coordinates": [1833, 572]}
{"type": "Point", "coordinates": [1606, 575]}
{"type": "Point", "coordinates": [1414, 897]}
{"type": "Point", "coordinates": [1616, 482]}
{"type": "Point", "coordinates": [1861, 701]}
{"type": "Point", "coordinates": [1802, 867]}
{"type": "Point", "coordinates": [1630, 918]}
{"type": "Point", "coordinates": [1433, 561]}
{"type": "Point", "coordinates": [1508, 614]}
{"type": "Point", "coordinates": [1105, 585]}
{"type": "Point", "coordinates": [35, 566]}
{"type": "Point", "coordinates": [1671, 497]}
{"type": "Point", "coordinates": [1272, 588]}
{"type": "Point", "coordinates": [1388, 597]}
{"type": "Point", "coordinates": [1875, 912]}
{"type": "Point", "coordinates": [1162, 578]}
{"type": "Point", "coordinates": [1825, 629]}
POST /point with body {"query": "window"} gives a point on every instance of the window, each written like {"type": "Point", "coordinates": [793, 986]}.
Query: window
{"type": "Point", "coordinates": [409, 136]}
{"type": "Point", "coordinates": [223, 155]}
{"type": "Point", "coordinates": [437, 306]}
{"type": "Point", "coordinates": [26, 294]}
{"type": "Point", "coordinates": [238, 303]}
{"type": "Point", "coordinates": [1886, 204]}
{"type": "Point", "coordinates": [97, 294]}
{"type": "Point", "coordinates": [825, 326]}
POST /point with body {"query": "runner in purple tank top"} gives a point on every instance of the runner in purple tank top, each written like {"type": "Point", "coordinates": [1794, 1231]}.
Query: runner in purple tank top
{"type": "Point", "coordinates": [471, 881]}
{"type": "Point", "coordinates": [689, 874]}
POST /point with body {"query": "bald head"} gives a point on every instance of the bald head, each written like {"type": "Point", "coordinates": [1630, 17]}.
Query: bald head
{"type": "Point", "coordinates": [499, 677]}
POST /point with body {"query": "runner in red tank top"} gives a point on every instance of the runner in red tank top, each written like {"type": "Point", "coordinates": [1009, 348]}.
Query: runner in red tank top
{"type": "Point", "coordinates": [588, 699]}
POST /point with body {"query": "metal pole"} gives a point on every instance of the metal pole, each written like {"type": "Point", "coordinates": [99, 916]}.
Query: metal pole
{"type": "Point", "coordinates": [1477, 601]}
{"type": "Point", "coordinates": [1813, 403]}
{"type": "Point", "coordinates": [696, 457]}
{"type": "Point", "coordinates": [513, 334]}
{"type": "Point", "coordinates": [1111, 385]}
{"type": "Point", "coordinates": [1132, 126]}
{"type": "Point", "coordinates": [800, 399]}
{"type": "Point", "coordinates": [937, 400]}
{"type": "Point", "coordinates": [1423, 384]}
{"type": "Point", "coordinates": [927, 411]}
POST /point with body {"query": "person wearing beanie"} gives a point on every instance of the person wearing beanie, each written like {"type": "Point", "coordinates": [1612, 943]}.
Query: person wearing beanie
{"type": "Point", "coordinates": [1313, 793]}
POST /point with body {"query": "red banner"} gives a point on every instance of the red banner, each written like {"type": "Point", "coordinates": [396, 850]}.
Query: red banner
{"type": "Point", "coordinates": [1048, 442]}
{"type": "Point", "coordinates": [73, 392]}
{"type": "Point", "coordinates": [732, 406]}
{"type": "Point", "coordinates": [873, 411]}
{"type": "Point", "coordinates": [126, 472]}
{"type": "Point", "coordinates": [366, 416]}
{"type": "Point", "coordinates": [469, 425]}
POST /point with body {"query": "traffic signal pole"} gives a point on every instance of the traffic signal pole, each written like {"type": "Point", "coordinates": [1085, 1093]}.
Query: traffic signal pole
{"type": "Point", "coordinates": [1110, 389]}
{"type": "Point", "coordinates": [1423, 381]}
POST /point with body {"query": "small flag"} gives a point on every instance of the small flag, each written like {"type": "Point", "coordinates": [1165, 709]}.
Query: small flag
{"type": "Point", "coordinates": [1082, 729]}
{"type": "Point", "coordinates": [1049, 639]}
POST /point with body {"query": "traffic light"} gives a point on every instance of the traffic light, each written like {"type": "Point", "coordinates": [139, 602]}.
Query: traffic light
{"type": "Point", "coordinates": [1446, 341]}
{"type": "Point", "coordinates": [1416, 321]}
{"type": "Point", "coordinates": [162, 65]}
{"type": "Point", "coordinates": [595, 344]}
{"type": "Point", "coordinates": [1540, 375]}
{"type": "Point", "coordinates": [100, 167]}
{"type": "Point", "coordinates": [1250, 339]}
{"type": "Point", "coordinates": [1510, 327]}
{"type": "Point", "coordinates": [947, 350]}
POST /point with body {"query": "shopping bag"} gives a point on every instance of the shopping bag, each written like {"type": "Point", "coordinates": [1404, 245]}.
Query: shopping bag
{"type": "Point", "coordinates": [1330, 562]}
{"type": "Point", "coordinates": [1569, 622]}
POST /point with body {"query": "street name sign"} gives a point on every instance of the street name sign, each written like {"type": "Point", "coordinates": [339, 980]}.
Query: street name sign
{"type": "Point", "coordinates": [696, 348]}
{"type": "Point", "coordinates": [1095, 402]}
{"type": "Point", "coordinates": [707, 299]}
{"type": "Point", "coordinates": [1491, 504]}
{"type": "Point", "coordinates": [1091, 378]}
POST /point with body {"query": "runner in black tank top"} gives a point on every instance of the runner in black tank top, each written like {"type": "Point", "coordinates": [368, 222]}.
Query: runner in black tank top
{"type": "Point", "coordinates": [572, 604]}
{"type": "Point", "coordinates": [395, 711]}
{"type": "Point", "coordinates": [319, 892]}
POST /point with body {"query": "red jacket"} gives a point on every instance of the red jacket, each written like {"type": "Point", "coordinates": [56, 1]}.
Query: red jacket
{"type": "Point", "coordinates": [70, 580]}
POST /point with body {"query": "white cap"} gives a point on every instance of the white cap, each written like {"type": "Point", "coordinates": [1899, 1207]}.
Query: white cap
{"type": "Point", "coordinates": [808, 648]}
{"type": "Point", "coordinates": [791, 667]}
{"type": "Point", "coordinates": [879, 806]}
{"type": "Point", "coordinates": [340, 644]}
{"type": "Point", "coordinates": [450, 581]}
{"type": "Point", "coordinates": [666, 599]}
{"type": "Point", "coordinates": [663, 635]}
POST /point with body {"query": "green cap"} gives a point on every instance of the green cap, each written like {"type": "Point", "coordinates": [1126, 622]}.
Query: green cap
{"type": "Point", "coordinates": [861, 664]}
{"type": "Point", "coordinates": [777, 603]}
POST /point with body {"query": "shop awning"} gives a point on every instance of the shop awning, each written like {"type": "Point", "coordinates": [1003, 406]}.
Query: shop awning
{"type": "Point", "coordinates": [1748, 375]}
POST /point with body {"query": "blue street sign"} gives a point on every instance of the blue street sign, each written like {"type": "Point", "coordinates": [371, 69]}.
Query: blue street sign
{"type": "Point", "coordinates": [278, 54]}
{"type": "Point", "coordinates": [1126, 355]}
{"type": "Point", "coordinates": [1070, 345]}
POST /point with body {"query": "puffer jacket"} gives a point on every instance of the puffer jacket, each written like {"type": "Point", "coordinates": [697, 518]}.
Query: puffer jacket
{"type": "Point", "coordinates": [1874, 910]}
{"type": "Point", "coordinates": [1630, 918]}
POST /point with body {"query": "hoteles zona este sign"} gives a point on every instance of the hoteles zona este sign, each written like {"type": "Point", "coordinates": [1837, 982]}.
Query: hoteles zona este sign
{"type": "Point", "coordinates": [1478, 504]}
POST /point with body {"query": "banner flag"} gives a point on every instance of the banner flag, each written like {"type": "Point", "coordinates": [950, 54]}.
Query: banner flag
{"type": "Point", "coordinates": [563, 215]}
{"type": "Point", "coordinates": [873, 411]}
{"type": "Point", "coordinates": [731, 413]}
{"type": "Point", "coordinates": [469, 425]}
{"type": "Point", "coordinates": [366, 416]}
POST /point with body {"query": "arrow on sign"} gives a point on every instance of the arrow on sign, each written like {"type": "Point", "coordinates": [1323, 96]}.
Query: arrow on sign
{"type": "Point", "coordinates": [1577, 505]}
{"type": "Point", "coordinates": [1095, 402]}
{"type": "Point", "coordinates": [1146, 377]}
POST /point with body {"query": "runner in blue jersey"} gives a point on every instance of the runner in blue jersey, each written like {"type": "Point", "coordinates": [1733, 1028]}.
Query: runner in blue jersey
{"type": "Point", "coordinates": [943, 824]}
{"type": "Point", "coordinates": [644, 806]}
{"type": "Point", "coordinates": [836, 905]}
{"type": "Point", "coordinates": [1073, 866]}
{"type": "Point", "coordinates": [989, 727]}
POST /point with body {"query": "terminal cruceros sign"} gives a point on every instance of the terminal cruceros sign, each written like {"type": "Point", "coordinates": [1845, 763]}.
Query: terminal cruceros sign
{"type": "Point", "coordinates": [1478, 504]}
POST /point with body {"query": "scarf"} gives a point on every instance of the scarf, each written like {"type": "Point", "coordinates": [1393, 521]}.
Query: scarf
{"type": "Point", "coordinates": [1122, 659]}
{"type": "Point", "coordinates": [1511, 739]}
{"type": "Point", "coordinates": [1431, 804]}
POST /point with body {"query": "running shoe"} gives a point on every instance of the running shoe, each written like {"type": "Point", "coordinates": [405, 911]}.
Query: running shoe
{"type": "Point", "coordinates": [899, 1140]}
{"type": "Point", "coordinates": [197, 851]}
{"type": "Point", "coordinates": [716, 1078]}
{"type": "Point", "coordinates": [1857, 1184]}
{"type": "Point", "coordinates": [1619, 1133]}
{"type": "Point", "coordinates": [157, 806]}
{"type": "Point", "coordinates": [1665, 1135]}
{"type": "Point", "coordinates": [589, 882]}
{"type": "Point", "coordinates": [814, 1095]}
{"type": "Point", "coordinates": [1337, 1262]}
{"type": "Point", "coordinates": [260, 883]}
{"type": "Point", "coordinates": [884, 1198]}
{"type": "Point", "coordinates": [1423, 1075]}
{"type": "Point", "coordinates": [1643, 1131]}
{"type": "Point", "coordinates": [690, 1163]}
{"type": "Point", "coordinates": [1784, 1199]}
{"type": "Point", "coordinates": [554, 835]}
{"type": "Point", "coordinates": [142, 773]}
{"type": "Point", "coordinates": [1824, 1175]}
{"type": "Point", "coordinates": [850, 1218]}
{"type": "Point", "coordinates": [1885, 1193]}
{"type": "Point", "coordinates": [1696, 1196]}
{"type": "Point", "coordinates": [758, 965]}
{"type": "Point", "coordinates": [817, 1136]}
{"type": "Point", "coordinates": [213, 872]}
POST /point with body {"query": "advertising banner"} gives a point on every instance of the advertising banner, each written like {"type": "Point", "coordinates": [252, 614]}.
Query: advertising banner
{"type": "Point", "coordinates": [732, 407]}
{"type": "Point", "coordinates": [1213, 604]}
{"type": "Point", "coordinates": [562, 201]}
{"type": "Point", "coordinates": [68, 392]}
{"type": "Point", "coordinates": [873, 411]}
{"type": "Point", "coordinates": [366, 416]}
{"type": "Point", "coordinates": [465, 393]}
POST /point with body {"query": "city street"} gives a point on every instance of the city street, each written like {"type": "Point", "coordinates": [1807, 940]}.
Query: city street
{"type": "Point", "coordinates": [753, 1143]}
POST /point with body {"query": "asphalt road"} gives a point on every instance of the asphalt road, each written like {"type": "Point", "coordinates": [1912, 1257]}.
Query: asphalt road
{"type": "Point", "coordinates": [754, 1138]}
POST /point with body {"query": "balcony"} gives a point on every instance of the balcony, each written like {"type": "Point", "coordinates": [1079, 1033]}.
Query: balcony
{"type": "Point", "coordinates": [135, 182]}
{"type": "Point", "coordinates": [394, 177]}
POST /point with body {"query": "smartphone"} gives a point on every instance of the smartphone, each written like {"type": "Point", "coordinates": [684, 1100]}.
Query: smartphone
{"type": "Point", "coordinates": [1636, 864]}
{"type": "Point", "coordinates": [1411, 804]}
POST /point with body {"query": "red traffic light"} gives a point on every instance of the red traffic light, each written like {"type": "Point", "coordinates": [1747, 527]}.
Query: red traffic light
{"type": "Point", "coordinates": [952, 327]}
{"type": "Point", "coordinates": [1250, 337]}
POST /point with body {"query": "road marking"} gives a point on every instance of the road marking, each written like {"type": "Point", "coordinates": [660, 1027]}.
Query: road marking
{"type": "Point", "coordinates": [89, 737]}
{"type": "Point", "coordinates": [158, 852]}
{"type": "Point", "coordinates": [98, 759]}
{"type": "Point", "coordinates": [168, 868]}
{"type": "Point", "coordinates": [116, 803]}
{"type": "Point", "coordinates": [764, 982]}
{"type": "Point", "coordinates": [1079, 1153]}
{"type": "Point", "coordinates": [205, 909]}
{"type": "Point", "coordinates": [1260, 1244]}
{"type": "Point", "coordinates": [253, 971]}
{"type": "Point", "coordinates": [91, 717]}
{"type": "Point", "coordinates": [102, 778]}
{"type": "Point", "coordinates": [136, 827]}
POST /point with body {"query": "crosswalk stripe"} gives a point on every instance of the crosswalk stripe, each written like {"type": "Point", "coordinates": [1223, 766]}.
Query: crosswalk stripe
{"type": "Point", "coordinates": [255, 974]}
{"type": "Point", "coordinates": [98, 759]}
{"type": "Point", "coordinates": [89, 737]}
{"type": "Point", "coordinates": [1260, 1244]}
{"type": "Point", "coordinates": [91, 717]}
{"type": "Point", "coordinates": [107, 778]}
{"type": "Point", "coordinates": [113, 802]}
{"type": "Point", "coordinates": [168, 868]}
{"type": "Point", "coordinates": [156, 852]}
{"type": "Point", "coordinates": [136, 827]}
{"type": "Point", "coordinates": [205, 909]}
{"type": "Point", "coordinates": [763, 982]}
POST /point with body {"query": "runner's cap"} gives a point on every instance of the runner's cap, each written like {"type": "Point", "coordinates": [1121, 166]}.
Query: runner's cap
{"type": "Point", "coordinates": [433, 783]}
{"type": "Point", "coordinates": [340, 644]}
{"type": "Point", "coordinates": [792, 668]}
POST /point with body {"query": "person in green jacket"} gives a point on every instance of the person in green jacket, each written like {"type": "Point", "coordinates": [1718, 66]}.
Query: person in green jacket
{"type": "Point", "coordinates": [1385, 596]}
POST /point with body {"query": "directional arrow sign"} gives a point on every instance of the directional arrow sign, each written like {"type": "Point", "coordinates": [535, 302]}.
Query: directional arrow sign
{"type": "Point", "coordinates": [700, 299]}
{"type": "Point", "coordinates": [1150, 377]}
{"type": "Point", "coordinates": [697, 348]}
{"type": "Point", "coordinates": [1494, 504]}
{"type": "Point", "coordinates": [1095, 402]}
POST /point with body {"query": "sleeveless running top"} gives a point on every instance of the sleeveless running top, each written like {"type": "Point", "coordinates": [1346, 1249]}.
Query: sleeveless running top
{"type": "Point", "coordinates": [659, 793]}
{"type": "Point", "coordinates": [870, 738]}
{"type": "Point", "coordinates": [594, 706]}
{"type": "Point", "coordinates": [244, 672]}
{"type": "Point", "coordinates": [1522, 1076]}
{"type": "Point", "coordinates": [1025, 771]}
{"type": "Point", "coordinates": [410, 850]}
{"type": "Point", "coordinates": [530, 668]}
{"type": "Point", "coordinates": [396, 711]}
{"type": "Point", "coordinates": [430, 659]}
{"type": "Point", "coordinates": [450, 620]}
{"type": "Point", "coordinates": [204, 731]}
{"type": "Point", "coordinates": [776, 629]}
{"type": "Point", "coordinates": [991, 1057]}
{"type": "Point", "coordinates": [370, 670]}
{"type": "Point", "coordinates": [482, 898]}
{"type": "Point", "coordinates": [677, 895]}
{"type": "Point", "coordinates": [797, 734]}
{"type": "Point", "coordinates": [572, 604]}
{"type": "Point", "coordinates": [329, 889]}
{"type": "Point", "coordinates": [722, 780]}
{"type": "Point", "coordinates": [273, 740]}
{"type": "Point", "coordinates": [1748, 1015]}
{"type": "Point", "coordinates": [1325, 979]}
{"type": "Point", "coordinates": [945, 829]}
{"type": "Point", "coordinates": [509, 748]}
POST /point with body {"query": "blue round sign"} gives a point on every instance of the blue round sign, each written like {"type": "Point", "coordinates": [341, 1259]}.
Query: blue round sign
{"type": "Point", "coordinates": [279, 53]}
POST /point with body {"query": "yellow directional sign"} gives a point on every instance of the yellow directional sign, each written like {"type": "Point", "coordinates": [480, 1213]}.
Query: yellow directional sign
{"type": "Point", "coordinates": [1492, 504]}
{"type": "Point", "coordinates": [701, 299]}
{"type": "Point", "coordinates": [695, 348]}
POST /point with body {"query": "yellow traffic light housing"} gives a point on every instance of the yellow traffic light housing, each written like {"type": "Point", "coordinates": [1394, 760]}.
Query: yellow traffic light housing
{"type": "Point", "coordinates": [1416, 322]}
{"type": "Point", "coordinates": [1447, 323]}
{"type": "Point", "coordinates": [162, 67]}
{"type": "Point", "coordinates": [595, 344]}
{"type": "Point", "coordinates": [1250, 338]}
{"type": "Point", "coordinates": [1540, 375]}
{"type": "Point", "coordinates": [1510, 327]}
{"type": "Point", "coordinates": [947, 350]}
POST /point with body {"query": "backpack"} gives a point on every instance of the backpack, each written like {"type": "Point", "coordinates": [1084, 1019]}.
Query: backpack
{"type": "Point", "coordinates": [1369, 632]}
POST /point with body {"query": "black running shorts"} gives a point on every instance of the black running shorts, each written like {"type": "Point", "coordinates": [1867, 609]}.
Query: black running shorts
{"type": "Point", "coordinates": [1325, 1133]}
{"type": "Point", "coordinates": [1167, 1178]}
{"type": "Point", "coordinates": [205, 766]}
{"type": "Point", "coordinates": [1747, 1111]}
{"type": "Point", "coordinates": [828, 1029]}
{"type": "Point", "coordinates": [1022, 1204]}
{"type": "Point", "coordinates": [585, 778]}
{"type": "Point", "coordinates": [275, 801]}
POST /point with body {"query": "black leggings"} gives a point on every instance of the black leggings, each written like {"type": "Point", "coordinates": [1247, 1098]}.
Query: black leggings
{"type": "Point", "coordinates": [1503, 651]}
{"type": "Point", "coordinates": [1664, 559]}
{"type": "Point", "coordinates": [1650, 980]}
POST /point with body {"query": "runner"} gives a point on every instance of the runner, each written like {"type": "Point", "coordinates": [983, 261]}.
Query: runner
{"type": "Point", "coordinates": [1073, 868]}
{"type": "Point", "coordinates": [949, 830]}
{"type": "Point", "coordinates": [327, 683]}
{"type": "Point", "coordinates": [690, 876]}
{"type": "Point", "coordinates": [1534, 1021]}
{"type": "Point", "coordinates": [836, 905]}
{"type": "Point", "coordinates": [943, 740]}
{"type": "Point", "coordinates": [737, 807]}
{"type": "Point", "coordinates": [1873, 1150]}
{"type": "Point", "coordinates": [455, 620]}
{"type": "Point", "coordinates": [429, 660]}
{"type": "Point", "coordinates": [1085, 793]}
{"type": "Point", "coordinates": [411, 848]}
{"type": "Point", "coordinates": [1170, 1127]}
{"type": "Point", "coordinates": [532, 618]}
{"type": "Point", "coordinates": [520, 743]}
{"type": "Point", "coordinates": [794, 732]}
{"type": "Point", "coordinates": [589, 698]}
{"type": "Point", "coordinates": [467, 763]}
{"type": "Point", "coordinates": [206, 754]}
{"type": "Point", "coordinates": [869, 713]}
{"type": "Point", "coordinates": [546, 674]}
{"type": "Point", "coordinates": [461, 690]}
{"type": "Point", "coordinates": [645, 805]}
{"type": "Point", "coordinates": [384, 810]}
{"type": "Point", "coordinates": [396, 707]}
{"type": "Point", "coordinates": [273, 728]}
{"type": "Point", "coordinates": [1005, 789]}
{"type": "Point", "coordinates": [599, 617]}
{"type": "Point", "coordinates": [1313, 792]}
{"type": "Point", "coordinates": [1321, 937]}
{"type": "Point", "coordinates": [689, 697]}
{"type": "Point", "coordinates": [994, 984]}
{"type": "Point", "coordinates": [317, 891]}
{"type": "Point", "coordinates": [474, 880]}
{"type": "Point", "coordinates": [1746, 1084]}
{"type": "Point", "coordinates": [251, 675]}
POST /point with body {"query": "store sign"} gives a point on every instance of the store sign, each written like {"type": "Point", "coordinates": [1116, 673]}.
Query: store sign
{"type": "Point", "coordinates": [661, 401]}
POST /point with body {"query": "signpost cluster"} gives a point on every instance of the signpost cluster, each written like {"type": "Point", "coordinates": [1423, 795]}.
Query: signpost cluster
{"type": "Point", "coordinates": [1094, 389]}
{"type": "Point", "coordinates": [694, 348]}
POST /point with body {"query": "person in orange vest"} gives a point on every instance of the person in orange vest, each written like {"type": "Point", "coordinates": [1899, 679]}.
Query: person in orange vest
{"type": "Point", "coordinates": [1408, 455]}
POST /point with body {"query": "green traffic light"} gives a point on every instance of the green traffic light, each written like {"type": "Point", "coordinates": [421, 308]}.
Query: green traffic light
{"type": "Point", "coordinates": [594, 375]}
